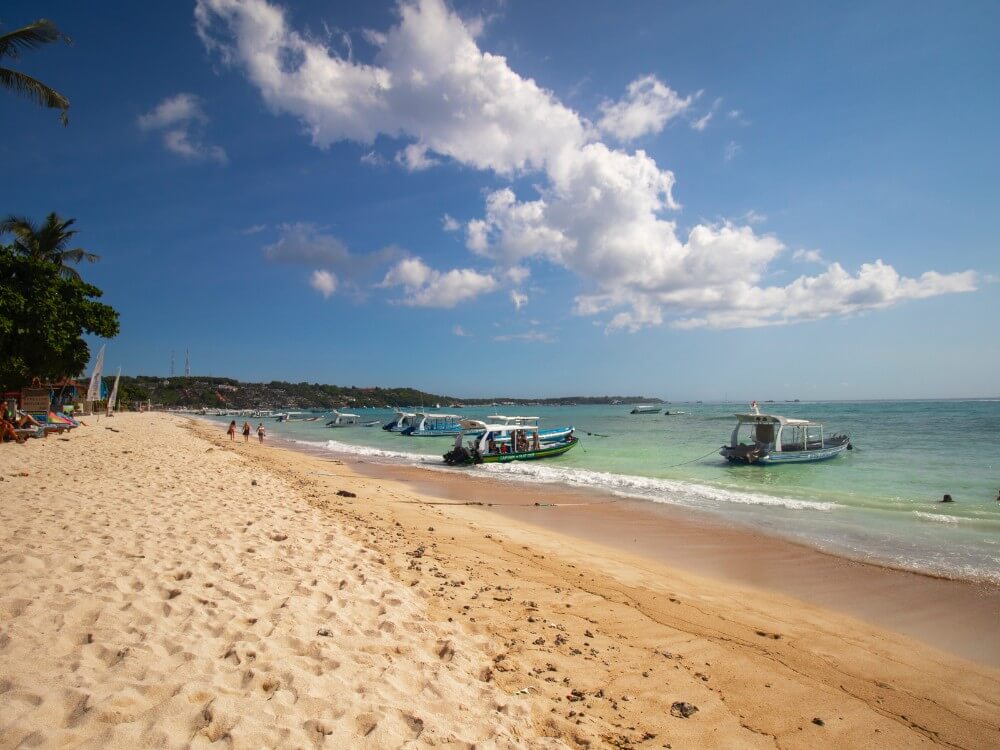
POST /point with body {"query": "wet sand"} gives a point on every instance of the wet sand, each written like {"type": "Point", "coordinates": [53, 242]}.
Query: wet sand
{"type": "Point", "coordinates": [958, 616]}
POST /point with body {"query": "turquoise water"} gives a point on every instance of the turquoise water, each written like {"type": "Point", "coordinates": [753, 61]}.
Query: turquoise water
{"type": "Point", "coordinates": [876, 503]}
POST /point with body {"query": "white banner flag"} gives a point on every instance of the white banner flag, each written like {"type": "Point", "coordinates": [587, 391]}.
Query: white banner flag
{"type": "Point", "coordinates": [94, 391]}
{"type": "Point", "coordinates": [114, 394]}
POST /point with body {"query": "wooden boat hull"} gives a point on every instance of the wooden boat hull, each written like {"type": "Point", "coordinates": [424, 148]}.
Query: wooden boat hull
{"type": "Point", "coordinates": [546, 451]}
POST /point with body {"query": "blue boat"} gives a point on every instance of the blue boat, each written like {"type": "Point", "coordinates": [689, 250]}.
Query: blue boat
{"type": "Point", "coordinates": [434, 425]}
{"type": "Point", "coordinates": [775, 439]}
{"type": "Point", "coordinates": [400, 422]}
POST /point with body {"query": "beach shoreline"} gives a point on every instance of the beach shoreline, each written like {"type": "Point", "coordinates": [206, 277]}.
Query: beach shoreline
{"type": "Point", "coordinates": [556, 639]}
{"type": "Point", "coordinates": [947, 613]}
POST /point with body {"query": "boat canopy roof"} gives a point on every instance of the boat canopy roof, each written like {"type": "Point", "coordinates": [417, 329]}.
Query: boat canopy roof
{"type": "Point", "coordinates": [501, 419]}
{"type": "Point", "coordinates": [345, 414]}
{"type": "Point", "coordinates": [478, 424]}
{"type": "Point", "coordinates": [436, 415]}
{"type": "Point", "coordinates": [773, 419]}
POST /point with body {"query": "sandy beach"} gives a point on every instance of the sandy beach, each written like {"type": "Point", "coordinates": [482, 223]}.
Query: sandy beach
{"type": "Point", "coordinates": [164, 587]}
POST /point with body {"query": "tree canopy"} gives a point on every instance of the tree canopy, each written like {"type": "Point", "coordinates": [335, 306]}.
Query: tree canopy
{"type": "Point", "coordinates": [43, 318]}
{"type": "Point", "coordinates": [47, 242]}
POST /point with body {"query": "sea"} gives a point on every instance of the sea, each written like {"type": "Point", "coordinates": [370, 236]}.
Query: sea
{"type": "Point", "coordinates": [878, 503]}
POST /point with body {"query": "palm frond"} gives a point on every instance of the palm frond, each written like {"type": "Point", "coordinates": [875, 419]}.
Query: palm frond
{"type": "Point", "coordinates": [17, 225]}
{"type": "Point", "coordinates": [77, 254]}
{"type": "Point", "coordinates": [35, 90]}
{"type": "Point", "coordinates": [33, 35]}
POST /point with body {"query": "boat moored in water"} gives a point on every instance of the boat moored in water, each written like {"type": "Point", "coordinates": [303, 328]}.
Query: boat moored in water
{"type": "Point", "coordinates": [342, 419]}
{"type": "Point", "coordinates": [774, 439]}
{"type": "Point", "coordinates": [400, 422]}
{"type": "Point", "coordinates": [501, 443]}
{"type": "Point", "coordinates": [646, 409]}
{"type": "Point", "coordinates": [432, 424]}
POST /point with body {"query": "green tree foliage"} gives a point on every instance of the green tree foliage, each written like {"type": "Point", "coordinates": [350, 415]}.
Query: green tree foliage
{"type": "Point", "coordinates": [49, 241]}
{"type": "Point", "coordinates": [43, 317]}
{"type": "Point", "coordinates": [12, 44]}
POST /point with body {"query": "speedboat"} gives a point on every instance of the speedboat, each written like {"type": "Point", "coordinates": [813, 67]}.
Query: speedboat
{"type": "Point", "coordinates": [432, 424]}
{"type": "Point", "coordinates": [774, 439]}
{"type": "Point", "coordinates": [400, 422]}
{"type": "Point", "coordinates": [487, 446]}
{"type": "Point", "coordinates": [297, 416]}
{"type": "Point", "coordinates": [551, 433]}
{"type": "Point", "coordinates": [646, 409]}
{"type": "Point", "coordinates": [342, 419]}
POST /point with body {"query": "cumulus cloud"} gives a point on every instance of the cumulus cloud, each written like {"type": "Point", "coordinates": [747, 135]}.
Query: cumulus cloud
{"type": "Point", "coordinates": [323, 282]}
{"type": "Point", "coordinates": [646, 108]}
{"type": "Point", "coordinates": [450, 224]}
{"type": "Point", "coordinates": [427, 287]}
{"type": "Point", "coordinates": [180, 119]}
{"type": "Point", "coordinates": [807, 256]}
{"type": "Point", "coordinates": [461, 332]}
{"type": "Point", "coordinates": [603, 213]}
{"type": "Point", "coordinates": [518, 298]}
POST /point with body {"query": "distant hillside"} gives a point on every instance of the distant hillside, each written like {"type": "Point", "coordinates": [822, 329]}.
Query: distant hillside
{"type": "Point", "coordinates": [227, 393]}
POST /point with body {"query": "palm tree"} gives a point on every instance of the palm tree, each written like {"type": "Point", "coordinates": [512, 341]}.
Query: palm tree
{"type": "Point", "coordinates": [12, 44]}
{"type": "Point", "coordinates": [47, 242]}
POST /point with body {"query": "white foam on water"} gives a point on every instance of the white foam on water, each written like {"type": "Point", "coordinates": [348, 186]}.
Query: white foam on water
{"type": "Point", "coordinates": [335, 446]}
{"type": "Point", "coordinates": [938, 517]}
{"type": "Point", "coordinates": [670, 491]}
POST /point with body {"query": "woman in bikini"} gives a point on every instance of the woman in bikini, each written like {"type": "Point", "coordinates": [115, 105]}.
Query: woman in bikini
{"type": "Point", "coordinates": [232, 430]}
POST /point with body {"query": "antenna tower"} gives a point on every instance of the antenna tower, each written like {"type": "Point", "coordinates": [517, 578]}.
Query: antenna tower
{"type": "Point", "coordinates": [171, 363]}
{"type": "Point", "coordinates": [187, 363]}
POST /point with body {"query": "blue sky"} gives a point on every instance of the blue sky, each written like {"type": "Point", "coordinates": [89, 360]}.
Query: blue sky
{"type": "Point", "coordinates": [688, 200]}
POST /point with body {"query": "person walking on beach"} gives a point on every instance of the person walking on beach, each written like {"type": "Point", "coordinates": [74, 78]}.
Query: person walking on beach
{"type": "Point", "coordinates": [261, 432]}
{"type": "Point", "coordinates": [232, 430]}
{"type": "Point", "coordinates": [246, 432]}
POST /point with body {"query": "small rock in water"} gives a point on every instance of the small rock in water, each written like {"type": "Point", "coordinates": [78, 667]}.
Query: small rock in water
{"type": "Point", "coordinates": [682, 710]}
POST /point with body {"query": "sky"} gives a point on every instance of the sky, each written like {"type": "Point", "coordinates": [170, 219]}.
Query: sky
{"type": "Point", "coordinates": [690, 200]}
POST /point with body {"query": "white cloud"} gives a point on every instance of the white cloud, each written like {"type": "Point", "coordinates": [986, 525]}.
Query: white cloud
{"type": "Point", "coordinates": [732, 149]}
{"type": "Point", "coordinates": [647, 107]}
{"type": "Point", "coordinates": [450, 224]}
{"type": "Point", "coordinates": [180, 119]}
{"type": "Point", "coordinates": [415, 158]}
{"type": "Point", "coordinates": [600, 212]}
{"type": "Point", "coordinates": [538, 337]}
{"type": "Point", "coordinates": [323, 282]}
{"type": "Point", "coordinates": [807, 256]}
{"type": "Point", "coordinates": [426, 287]}
{"type": "Point", "coordinates": [254, 229]}
{"type": "Point", "coordinates": [372, 159]}
{"type": "Point", "coordinates": [702, 122]}
{"type": "Point", "coordinates": [518, 298]}
{"type": "Point", "coordinates": [517, 274]}
{"type": "Point", "coordinates": [459, 331]}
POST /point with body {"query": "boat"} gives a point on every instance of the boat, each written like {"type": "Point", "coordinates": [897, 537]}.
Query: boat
{"type": "Point", "coordinates": [296, 416]}
{"type": "Point", "coordinates": [400, 422]}
{"type": "Point", "coordinates": [781, 440]}
{"type": "Point", "coordinates": [646, 409]}
{"type": "Point", "coordinates": [433, 424]}
{"type": "Point", "coordinates": [549, 434]}
{"type": "Point", "coordinates": [487, 447]}
{"type": "Point", "coordinates": [342, 419]}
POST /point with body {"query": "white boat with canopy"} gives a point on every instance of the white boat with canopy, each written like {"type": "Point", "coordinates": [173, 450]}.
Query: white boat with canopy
{"type": "Point", "coordinates": [400, 422]}
{"type": "Point", "coordinates": [343, 419]}
{"type": "Point", "coordinates": [774, 439]}
{"type": "Point", "coordinates": [433, 424]}
{"type": "Point", "coordinates": [500, 443]}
